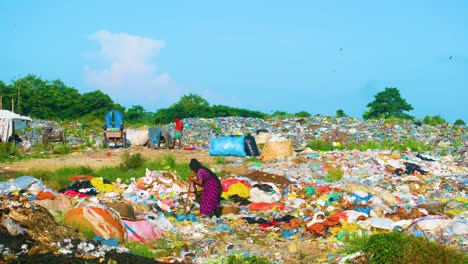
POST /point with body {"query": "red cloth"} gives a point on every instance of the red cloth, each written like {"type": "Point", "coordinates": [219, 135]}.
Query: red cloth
{"type": "Point", "coordinates": [179, 125]}
{"type": "Point", "coordinates": [228, 182]}
{"type": "Point", "coordinates": [45, 195]}
{"type": "Point", "coordinates": [73, 194]}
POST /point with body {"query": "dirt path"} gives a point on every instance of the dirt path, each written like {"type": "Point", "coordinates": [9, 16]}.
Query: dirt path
{"type": "Point", "coordinates": [101, 158]}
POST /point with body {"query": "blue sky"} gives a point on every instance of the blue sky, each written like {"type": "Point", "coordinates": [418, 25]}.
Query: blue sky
{"type": "Point", "coordinates": [314, 56]}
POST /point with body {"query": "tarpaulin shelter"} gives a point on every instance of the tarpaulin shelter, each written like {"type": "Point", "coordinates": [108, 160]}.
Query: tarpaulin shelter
{"type": "Point", "coordinates": [10, 121]}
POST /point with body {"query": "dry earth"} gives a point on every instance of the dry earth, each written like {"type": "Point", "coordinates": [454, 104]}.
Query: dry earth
{"type": "Point", "coordinates": [101, 158]}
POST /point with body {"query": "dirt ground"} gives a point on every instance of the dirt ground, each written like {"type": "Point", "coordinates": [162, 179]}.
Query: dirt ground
{"type": "Point", "coordinates": [101, 158]}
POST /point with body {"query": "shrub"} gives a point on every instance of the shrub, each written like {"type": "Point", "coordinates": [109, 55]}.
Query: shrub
{"type": "Point", "coordinates": [459, 122]}
{"type": "Point", "coordinates": [8, 151]}
{"type": "Point", "coordinates": [434, 120]}
{"type": "Point", "coordinates": [131, 162]}
{"type": "Point", "coordinates": [396, 247]}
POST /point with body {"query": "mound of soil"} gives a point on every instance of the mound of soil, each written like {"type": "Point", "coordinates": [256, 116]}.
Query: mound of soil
{"type": "Point", "coordinates": [267, 177]}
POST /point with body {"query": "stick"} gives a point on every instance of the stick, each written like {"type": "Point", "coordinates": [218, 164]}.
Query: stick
{"type": "Point", "coordinates": [188, 195]}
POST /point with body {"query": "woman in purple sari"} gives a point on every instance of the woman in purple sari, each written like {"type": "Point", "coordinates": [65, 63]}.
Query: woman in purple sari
{"type": "Point", "coordinates": [210, 196]}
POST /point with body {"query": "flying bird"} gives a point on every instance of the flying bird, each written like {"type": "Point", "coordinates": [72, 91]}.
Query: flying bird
{"type": "Point", "coordinates": [450, 58]}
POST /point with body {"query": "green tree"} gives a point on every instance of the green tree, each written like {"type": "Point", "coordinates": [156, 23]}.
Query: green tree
{"type": "Point", "coordinates": [137, 114]}
{"type": "Point", "coordinates": [302, 114]}
{"type": "Point", "coordinates": [190, 105]}
{"type": "Point", "coordinates": [340, 113]}
{"type": "Point", "coordinates": [96, 104]}
{"type": "Point", "coordinates": [459, 122]}
{"type": "Point", "coordinates": [388, 103]}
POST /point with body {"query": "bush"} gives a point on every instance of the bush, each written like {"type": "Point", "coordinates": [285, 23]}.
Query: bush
{"type": "Point", "coordinates": [131, 162]}
{"type": "Point", "coordinates": [8, 151]}
{"type": "Point", "coordinates": [434, 120]}
{"type": "Point", "coordinates": [396, 247]}
{"type": "Point", "coordinates": [459, 122]}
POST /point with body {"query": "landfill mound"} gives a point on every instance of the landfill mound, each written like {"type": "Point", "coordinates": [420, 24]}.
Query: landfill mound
{"type": "Point", "coordinates": [294, 209]}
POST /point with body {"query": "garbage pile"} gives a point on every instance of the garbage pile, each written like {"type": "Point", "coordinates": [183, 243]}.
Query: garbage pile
{"type": "Point", "coordinates": [199, 131]}
{"type": "Point", "coordinates": [277, 210]}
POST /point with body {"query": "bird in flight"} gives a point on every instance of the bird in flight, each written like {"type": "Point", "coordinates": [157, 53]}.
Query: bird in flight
{"type": "Point", "coordinates": [450, 58]}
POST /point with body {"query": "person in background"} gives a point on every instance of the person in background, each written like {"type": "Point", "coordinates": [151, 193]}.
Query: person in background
{"type": "Point", "coordinates": [211, 193]}
{"type": "Point", "coordinates": [179, 126]}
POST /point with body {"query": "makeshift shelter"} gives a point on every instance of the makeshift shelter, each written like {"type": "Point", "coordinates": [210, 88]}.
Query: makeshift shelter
{"type": "Point", "coordinates": [9, 122]}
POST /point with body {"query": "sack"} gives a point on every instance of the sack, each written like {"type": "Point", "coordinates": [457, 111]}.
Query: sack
{"type": "Point", "coordinates": [262, 137]}
{"type": "Point", "coordinates": [228, 146]}
{"type": "Point", "coordinates": [277, 150]}
{"type": "Point", "coordinates": [251, 148]}
{"type": "Point", "coordinates": [137, 137]}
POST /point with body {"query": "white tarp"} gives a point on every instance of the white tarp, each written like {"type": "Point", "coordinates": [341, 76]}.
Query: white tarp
{"type": "Point", "coordinates": [8, 122]}
{"type": "Point", "coordinates": [137, 137]}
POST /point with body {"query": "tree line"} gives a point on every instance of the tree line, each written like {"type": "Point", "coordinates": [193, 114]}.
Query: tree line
{"type": "Point", "coordinates": [54, 100]}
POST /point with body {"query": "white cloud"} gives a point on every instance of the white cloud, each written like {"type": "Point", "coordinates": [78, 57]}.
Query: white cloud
{"type": "Point", "coordinates": [131, 78]}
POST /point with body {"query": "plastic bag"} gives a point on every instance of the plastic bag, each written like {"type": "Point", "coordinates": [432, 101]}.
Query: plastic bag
{"type": "Point", "coordinates": [228, 146]}
{"type": "Point", "coordinates": [251, 148]}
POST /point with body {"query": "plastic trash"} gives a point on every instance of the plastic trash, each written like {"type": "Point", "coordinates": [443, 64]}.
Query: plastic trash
{"type": "Point", "coordinates": [13, 228]}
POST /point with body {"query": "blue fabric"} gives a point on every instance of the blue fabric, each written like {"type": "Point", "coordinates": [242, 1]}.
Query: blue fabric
{"type": "Point", "coordinates": [116, 116]}
{"type": "Point", "coordinates": [155, 136]}
{"type": "Point", "coordinates": [228, 146]}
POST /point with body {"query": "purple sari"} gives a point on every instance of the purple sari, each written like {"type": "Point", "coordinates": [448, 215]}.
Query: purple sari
{"type": "Point", "coordinates": [211, 192]}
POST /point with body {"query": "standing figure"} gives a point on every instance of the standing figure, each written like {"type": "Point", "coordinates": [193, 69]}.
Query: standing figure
{"type": "Point", "coordinates": [179, 126]}
{"type": "Point", "coordinates": [211, 193]}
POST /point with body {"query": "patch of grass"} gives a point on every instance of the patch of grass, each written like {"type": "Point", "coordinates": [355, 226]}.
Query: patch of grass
{"type": "Point", "coordinates": [221, 160]}
{"type": "Point", "coordinates": [404, 145]}
{"type": "Point", "coordinates": [58, 179]}
{"type": "Point", "coordinates": [252, 159]}
{"type": "Point", "coordinates": [396, 247]}
{"type": "Point", "coordinates": [169, 161]}
{"type": "Point", "coordinates": [141, 249]}
{"type": "Point", "coordinates": [334, 174]}
{"type": "Point", "coordinates": [61, 149]}
{"type": "Point", "coordinates": [320, 145]}
{"type": "Point", "coordinates": [131, 162]}
{"type": "Point", "coordinates": [239, 259]}
{"type": "Point", "coordinates": [8, 152]}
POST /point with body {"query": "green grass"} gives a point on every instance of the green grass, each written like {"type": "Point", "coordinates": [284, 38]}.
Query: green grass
{"type": "Point", "coordinates": [221, 160]}
{"type": "Point", "coordinates": [239, 259]}
{"type": "Point", "coordinates": [141, 249]}
{"type": "Point", "coordinates": [132, 166]}
{"type": "Point", "coordinates": [398, 247]}
{"type": "Point", "coordinates": [404, 145]}
{"type": "Point", "coordinates": [334, 174]}
{"type": "Point", "coordinates": [8, 152]}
